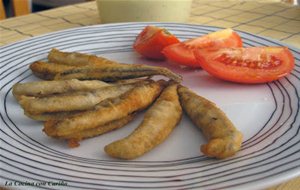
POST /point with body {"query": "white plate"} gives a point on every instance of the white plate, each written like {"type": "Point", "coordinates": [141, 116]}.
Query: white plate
{"type": "Point", "coordinates": [267, 114]}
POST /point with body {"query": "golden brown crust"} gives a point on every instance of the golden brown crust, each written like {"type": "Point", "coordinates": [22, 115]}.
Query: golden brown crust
{"type": "Point", "coordinates": [48, 71]}
{"type": "Point", "coordinates": [76, 101]}
{"type": "Point", "coordinates": [111, 109]}
{"type": "Point", "coordinates": [116, 72]}
{"type": "Point", "coordinates": [224, 140]}
{"type": "Point", "coordinates": [159, 121]}
{"type": "Point", "coordinates": [50, 116]}
{"type": "Point", "coordinates": [46, 88]}
{"type": "Point", "coordinates": [77, 136]}
{"type": "Point", "coordinates": [76, 59]}
{"type": "Point", "coordinates": [88, 133]}
{"type": "Point", "coordinates": [73, 65]}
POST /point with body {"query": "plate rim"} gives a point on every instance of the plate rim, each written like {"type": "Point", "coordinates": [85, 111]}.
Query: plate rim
{"type": "Point", "coordinates": [161, 23]}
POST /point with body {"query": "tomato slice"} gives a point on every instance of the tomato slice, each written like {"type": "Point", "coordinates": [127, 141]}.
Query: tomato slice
{"type": "Point", "coordinates": [182, 53]}
{"type": "Point", "coordinates": [247, 65]}
{"type": "Point", "coordinates": [152, 40]}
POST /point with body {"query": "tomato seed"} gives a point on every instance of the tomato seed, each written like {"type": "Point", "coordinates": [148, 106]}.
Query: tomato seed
{"type": "Point", "coordinates": [264, 62]}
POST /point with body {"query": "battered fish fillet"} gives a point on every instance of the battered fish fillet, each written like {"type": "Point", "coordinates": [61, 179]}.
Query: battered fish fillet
{"type": "Point", "coordinates": [159, 121]}
{"type": "Point", "coordinates": [77, 136]}
{"type": "Point", "coordinates": [48, 71]}
{"type": "Point", "coordinates": [116, 72]}
{"type": "Point", "coordinates": [76, 59]}
{"type": "Point", "coordinates": [224, 140]}
{"type": "Point", "coordinates": [45, 88]}
{"type": "Point", "coordinates": [109, 110]}
{"type": "Point", "coordinates": [76, 101]}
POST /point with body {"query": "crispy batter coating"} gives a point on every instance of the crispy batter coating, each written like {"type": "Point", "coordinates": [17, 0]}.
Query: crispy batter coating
{"type": "Point", "coordinates": [48, 71]}
{"type": "Point", "coordinates": [76, 59]}
{"type": "Point", "coordinates": [159, 121]}
{"type": "Point", "coordinates": [45, 88]}
{"type": "Point", "coordinates": [77, 136]}
{"type": "Point", "coordinates": [76, 101]}
{"type": "Point", "coordinates": [224, 140]}
{"type": "Point", "coordinates": [109, 110]}
{"type": "Point", "coordinates": [116, 72]}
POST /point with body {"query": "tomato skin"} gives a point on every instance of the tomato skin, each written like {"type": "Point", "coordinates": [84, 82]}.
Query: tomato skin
{"type": "Point", "coordinates": [179, 54]}
{"type": "Point", "coordinates": [247, 65]}
{"type": "Point", "coordinates": [152, 40]}
{"type": "Point", "coordinates": [183, 53]}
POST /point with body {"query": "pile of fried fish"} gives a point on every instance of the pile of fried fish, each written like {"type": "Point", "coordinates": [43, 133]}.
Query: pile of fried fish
{"type": "Point", "coordinates": [83, 96]}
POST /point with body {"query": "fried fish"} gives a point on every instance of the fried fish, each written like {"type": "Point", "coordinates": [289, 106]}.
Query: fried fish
{"type": "Point", "coordinates": [224, 140]}
{"type": "Point", "coordinates": [76, 58]}
{"type": "Point", "coordinates": [47, 71]}
{"type": "Point", "coordinates": [76, 101]}
{"type": "Point", "coordinates": [77, 136]}
{"type": "Point", "coordinates": [49, 116]}
{"type": "Point", "coordinates": [45, 88]}
{"type": "Point", "coordinates": [116, 72]}
{"type": "Point", "coordinates": [74, 65]}
{"type": "Point", "coordinates": [109, 110]}
{"type": "Point", "coordinates": [159, 121]}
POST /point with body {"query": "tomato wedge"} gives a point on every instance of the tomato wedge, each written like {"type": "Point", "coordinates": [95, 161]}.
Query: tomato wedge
{"type": "Point", "coordinates": [152, 40]}
{"type": "Point", "coordinates": [182, 53]}
{"type": "Point", "coordinates": [247, 65]}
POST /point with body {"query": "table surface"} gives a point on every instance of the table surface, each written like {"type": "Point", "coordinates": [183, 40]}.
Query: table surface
{"type": "Point", "coordinates": [275, 20]}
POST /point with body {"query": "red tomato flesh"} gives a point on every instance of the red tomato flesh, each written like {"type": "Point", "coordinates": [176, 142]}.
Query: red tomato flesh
{"type": "Point", "coordinates": [247, 65]}
{"type": "Point", "coordinates": [183, 53]}
{"type": "Point", "coordinates": [152, 40]}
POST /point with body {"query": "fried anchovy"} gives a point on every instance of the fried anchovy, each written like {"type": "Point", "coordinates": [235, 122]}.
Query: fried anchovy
{"type": "Point", "coordinates": [72, 101]}
{"type": "Point", "coordinates": [224, 140]}
{"type": "Point", "coordinates": [45, 88]}
{"type": "Point", "coordinates": [109, 110]}
{"type": "Point", "coordinates": [51, 116]}
{"type": "Point", "coordinates": [159, 121]}
{"type": "Point", "coordinates": [116, 72]}
{"type": "Point", "coordinates": [77, 136]}
{"type": "Point", "coordinates": [76, 59]}
{"type": "Point", "coordinates": [48, 71]}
